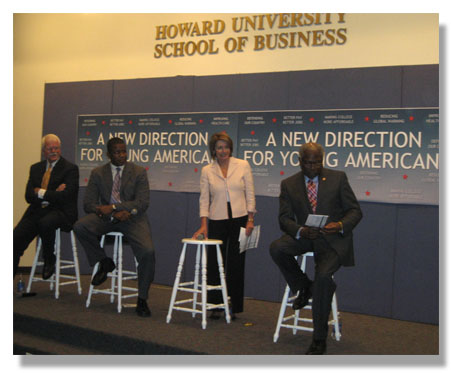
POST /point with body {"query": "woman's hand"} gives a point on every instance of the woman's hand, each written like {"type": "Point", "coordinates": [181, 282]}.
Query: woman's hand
{"type": "Point", "coordinates": [249, 228]}
{"type": "Point", "coordinates": [200, 231]}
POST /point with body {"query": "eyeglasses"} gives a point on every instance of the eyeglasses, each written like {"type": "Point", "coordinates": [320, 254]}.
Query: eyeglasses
{"type": "Point", "coordinates": [52, 148]}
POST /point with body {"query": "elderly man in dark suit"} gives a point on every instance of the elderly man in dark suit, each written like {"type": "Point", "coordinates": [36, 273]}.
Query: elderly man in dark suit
{"type": "Point", "coordinates": [52, 192]}
{"type": "Point", "coordinates": [315, 190]}
{"type": "Point", "coordinates": [116, 199]}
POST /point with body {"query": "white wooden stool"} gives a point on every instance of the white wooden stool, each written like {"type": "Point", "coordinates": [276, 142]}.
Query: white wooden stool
{"type": "Point", "coordinates": [193, 286]}
{"type": "Point", "coordinates": [119, 274]}
{"type": "Point", "coordinates": [56, 279]}
{"type": "Point", "coordinates": [292, 321]}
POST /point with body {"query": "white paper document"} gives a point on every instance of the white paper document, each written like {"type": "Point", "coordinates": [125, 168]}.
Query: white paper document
{"type": "Point", "coordinates": [316, 221]}
{"type": "Point", "coordinates": [249, 242]}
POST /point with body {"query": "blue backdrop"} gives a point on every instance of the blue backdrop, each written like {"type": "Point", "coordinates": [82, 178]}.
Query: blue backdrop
{"type": "Point", "coordinates": [396, 245]}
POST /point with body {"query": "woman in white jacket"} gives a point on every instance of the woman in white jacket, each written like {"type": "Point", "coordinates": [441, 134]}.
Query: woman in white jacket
{"type": "Point", "coordinates": [227, 203]}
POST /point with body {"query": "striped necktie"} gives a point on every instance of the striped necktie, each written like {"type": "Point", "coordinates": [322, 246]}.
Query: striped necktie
{"type": "Point", "coordinates": [115, 192]}
{"type": "Point", "coordinates": [311, 193]}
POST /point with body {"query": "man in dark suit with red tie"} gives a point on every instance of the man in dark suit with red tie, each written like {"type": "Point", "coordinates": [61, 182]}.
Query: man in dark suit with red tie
{"type": "Point", "coordinates": [52, 192]}
{"type": "Point", "coordinates": [321, 191]}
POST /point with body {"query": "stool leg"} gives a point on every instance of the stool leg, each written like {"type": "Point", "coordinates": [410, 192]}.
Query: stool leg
{"type": "Point", "coordinates": [176, 283]}
{"type": "Point", "coordinates": [336, 321]}
{"type": "Point", "coordinates": [204, 286]}
{"type": "Point", "coordinates": [35, 263]}
{"type": "Point", "coordinates": [196, 279]}
{"type": "Point", "coordinates": [76, 264]}
{"type": "Point", "coordinates": [283, 307]}
{"type": "Point", "coordinates": [119, 280]}
{"type": "Point", "coordinates": [91, 286]}
{"type": "Point", "coordinates": [58, 262]}
{"type": "Point", "coordinates": [223, 284]}
{"type": "Point", "coordinates": [296, 321]}
{"type": "Point", "coordinates": [115, 271]}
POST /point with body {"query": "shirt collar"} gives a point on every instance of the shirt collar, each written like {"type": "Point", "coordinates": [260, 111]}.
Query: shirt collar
{"type": "Point", "coordinates": [113, 168]}
{"type": "Point", "coordinates": [315, 179]}
{"type": "Point", "coordinates": [51, 164]}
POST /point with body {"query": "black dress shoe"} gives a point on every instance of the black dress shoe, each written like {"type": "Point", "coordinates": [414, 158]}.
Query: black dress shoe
{"type": "Point", "coordinates": [302, 299]}
{"type": "Point", "coordinates": [318, 347]}
{"type": "Point", "coordinates": [48, 270]}
{"type": "Point", "coordinates": [142, 309]}
{"type": "Point", "coordinates": [215, 315]}
{"type": "Point", "coordinates": [105, 265]}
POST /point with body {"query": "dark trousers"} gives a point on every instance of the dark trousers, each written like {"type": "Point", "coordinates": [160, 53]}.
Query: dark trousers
{"type": "Point", "coordinates": [38, 222]}
{"type": "Point", "coordinates": [228, 231]}
{"type": "Point", "coordinates": [90, 227]}
{"type": "Point", "coordinates": [283, 252]}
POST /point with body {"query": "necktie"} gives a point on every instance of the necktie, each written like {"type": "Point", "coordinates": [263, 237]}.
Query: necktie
{"type": "Point", "coordinates": [46, 178]}
{"type": "Point", "coordinates": [311, 193]}
{"type": "Point", "coordinates": [115, 195]}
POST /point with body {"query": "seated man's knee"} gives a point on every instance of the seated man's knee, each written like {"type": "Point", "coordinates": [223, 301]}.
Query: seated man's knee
{"type": "Point", "coordinates": [78, 226]}
{"type": "Point", "coordinates": [274, 249]}
{"type": "Point", "coordinates": [325, 280]}
{"type": "Point", "coordinates": [44, 226]}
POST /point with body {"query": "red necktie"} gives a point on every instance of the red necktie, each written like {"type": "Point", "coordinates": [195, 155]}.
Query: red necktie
{"type": "Point", "coordinates": [311, 193]}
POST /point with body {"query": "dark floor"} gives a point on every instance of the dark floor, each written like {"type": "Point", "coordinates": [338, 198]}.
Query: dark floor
{"type": "Point", "coordinates": [44, 325]}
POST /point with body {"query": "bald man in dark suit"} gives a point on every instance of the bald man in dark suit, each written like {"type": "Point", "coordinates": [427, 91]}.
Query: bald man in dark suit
{"type": "Point", "coordinates": [315, 190]}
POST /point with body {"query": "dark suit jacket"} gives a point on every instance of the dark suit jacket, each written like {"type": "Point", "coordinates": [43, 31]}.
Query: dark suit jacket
{"type": "Point", "coordinates": [64, 172]}
{"type": "Point", "coordinates": [335, 198]}
{"type": "Point", "coordinates": [134, 190]}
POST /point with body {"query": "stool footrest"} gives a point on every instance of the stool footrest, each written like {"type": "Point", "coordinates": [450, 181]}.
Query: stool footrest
{"type": "Point", "coordinates": [68, 282]}
{"type": "Point", "coordinates": [189, 290]}
{"type": "Point", "coordinates": [184, 309]}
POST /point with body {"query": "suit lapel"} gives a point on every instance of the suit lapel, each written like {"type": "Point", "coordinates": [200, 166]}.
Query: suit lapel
{"type": "Point", "coordinates": [126, 175]}
{"type": "Point", "coordinates": [232, 166]}
{"type": "Point", "coordinates": [42, 167]}
{"type": "Point", "coordinates": [217, 169]}
{"type": "Point", "coordinates": [322, 184]}
{"type": "Point", "coordinates": [108, 179]}
{"type": "Point", "coordinates": [303, 195]}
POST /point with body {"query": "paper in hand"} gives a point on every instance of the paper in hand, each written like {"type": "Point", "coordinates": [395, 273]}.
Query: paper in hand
{"type": "Point", "coordinates": [249, 242]}
{"type": "Point", "coordinates": [316, 221]}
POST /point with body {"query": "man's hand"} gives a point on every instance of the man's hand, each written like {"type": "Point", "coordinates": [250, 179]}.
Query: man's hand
{"type": "Point", "coordinates": [104, 210]}
{"type": "Point", "coordinates": [333, 227]}
{"type": "Point", "coordinates": [310, 233]}
{"type": "Point", "coordinates": [122, 215]}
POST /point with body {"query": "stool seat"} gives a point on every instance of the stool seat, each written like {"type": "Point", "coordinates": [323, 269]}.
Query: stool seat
{"type": "Point", "coordinates": [119, 274]}
{"type": "Point", "coordinates": [56, 279]}
{"type": "Point", "coordinates": [293, 320]}
{"type": "Point", "coordinates": [193, 286]}
{"type": "Point", "coordinates": [202, 242]}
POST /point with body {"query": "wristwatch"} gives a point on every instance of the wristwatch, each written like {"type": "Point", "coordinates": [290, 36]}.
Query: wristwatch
{"type": "Point", "coordinates": [114, 207]}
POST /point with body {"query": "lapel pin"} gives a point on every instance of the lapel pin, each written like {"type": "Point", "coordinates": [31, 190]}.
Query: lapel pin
{"type": "Point", "coordinates": [324, 179]}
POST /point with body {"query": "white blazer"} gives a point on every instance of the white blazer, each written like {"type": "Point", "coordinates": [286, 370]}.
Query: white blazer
{"type": "Point", "coordinates": [213, 193]}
